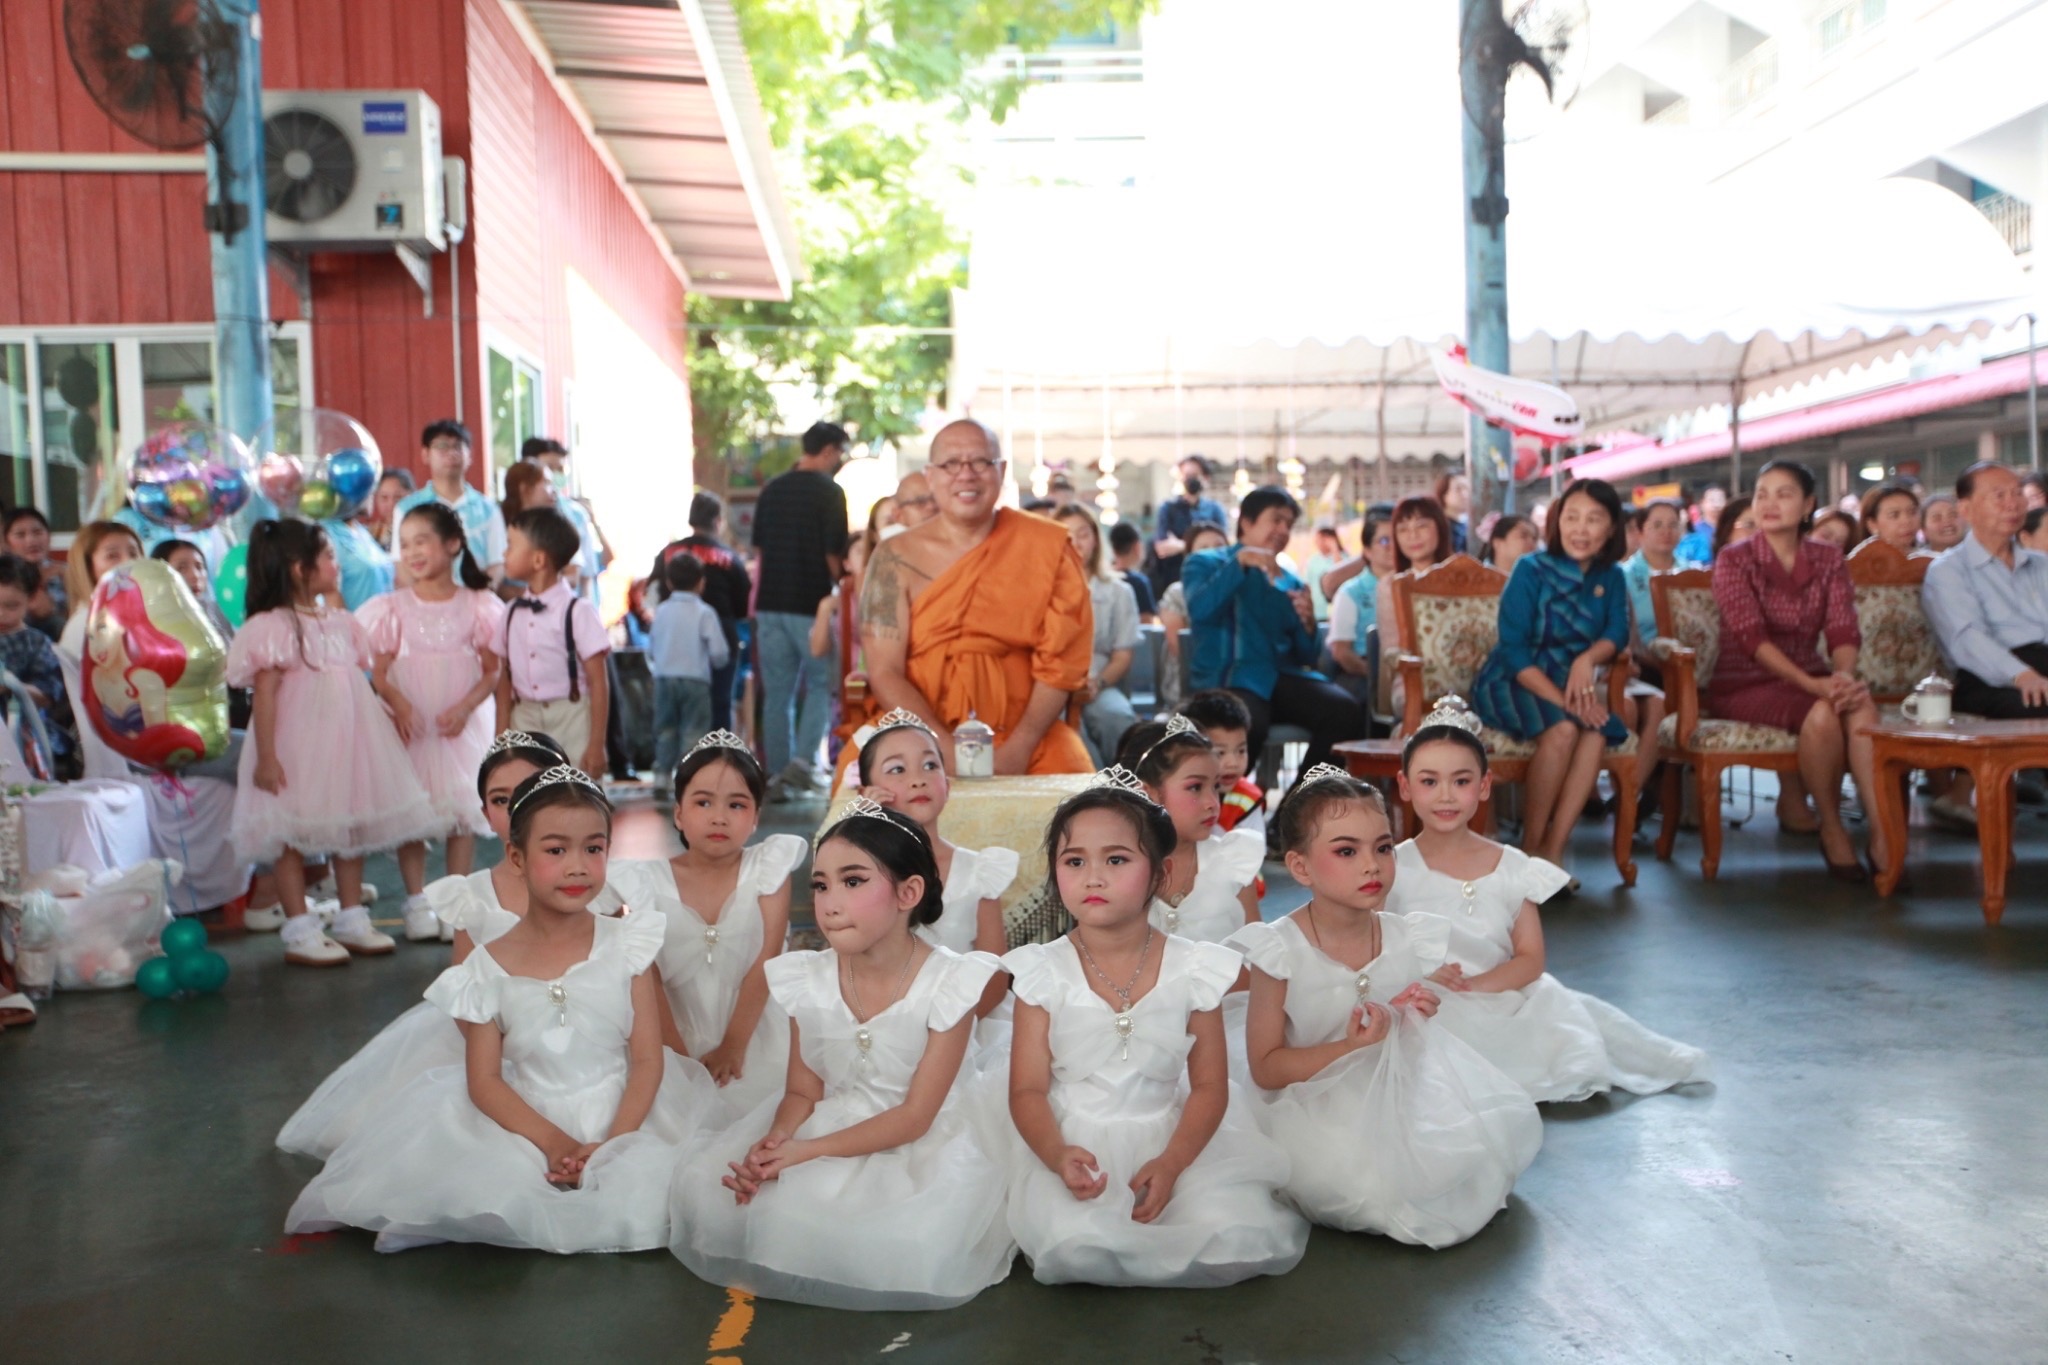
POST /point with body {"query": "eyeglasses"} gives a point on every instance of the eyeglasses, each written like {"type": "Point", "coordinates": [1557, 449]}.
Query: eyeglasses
{"type": "Point", "coordinates": [954, 469]}
{"type": "Point", "coordinates": [447, 446]}
{"type": "Point", "coordinates": [926, 501]}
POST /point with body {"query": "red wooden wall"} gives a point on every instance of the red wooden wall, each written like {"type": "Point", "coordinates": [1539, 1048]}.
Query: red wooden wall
{"type": "Point", "coordinates": [109, 249]}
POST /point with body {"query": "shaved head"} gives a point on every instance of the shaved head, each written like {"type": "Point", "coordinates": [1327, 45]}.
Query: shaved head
{"type": "Point", "coordinates": [960, 436]}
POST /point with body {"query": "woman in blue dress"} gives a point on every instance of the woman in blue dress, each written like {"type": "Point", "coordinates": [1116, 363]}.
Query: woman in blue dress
{"type": "Point", "coordinates": [1563, 616]}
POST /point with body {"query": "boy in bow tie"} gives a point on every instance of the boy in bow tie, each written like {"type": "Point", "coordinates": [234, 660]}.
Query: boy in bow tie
{"type": "Point", "coordinates": [555, 645]}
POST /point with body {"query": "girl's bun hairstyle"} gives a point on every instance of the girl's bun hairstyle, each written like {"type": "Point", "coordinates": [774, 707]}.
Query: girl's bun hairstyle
{"type": "Point", "coordinates": [1303, 808]}
{"type": "Point", "coordinates": [1156, 836]}
{"type": "Point", "coordinates": [901, 848]}
{"type": "Point", "coordinates": [1153, 754]}
{"type": "Point", "coordinates": [531, 745]}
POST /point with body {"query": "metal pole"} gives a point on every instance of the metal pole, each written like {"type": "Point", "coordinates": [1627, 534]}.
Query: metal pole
{"type": "Point", "coordinates": [241, 268]}
{"type": "Point", "coordinates": [1735, 440]}
{"type": "Point", "coordinates": [1483, 79]}
{"type": "Point", "coordinates": [2033, 400]}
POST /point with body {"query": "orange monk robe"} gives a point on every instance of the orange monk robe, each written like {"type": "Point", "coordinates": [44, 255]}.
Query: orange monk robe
{"type": "Point", "coordinates": [1012, 611]}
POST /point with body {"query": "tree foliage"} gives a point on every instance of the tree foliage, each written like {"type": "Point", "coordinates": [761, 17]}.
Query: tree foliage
{"type": "Point", "coordinates": [868, 102]}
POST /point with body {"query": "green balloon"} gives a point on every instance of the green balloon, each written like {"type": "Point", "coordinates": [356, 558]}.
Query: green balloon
{"type": "Point", "coordinates": [319, 500]}
{"type": "Point", "coordinates": [183, 937]}
{"type": "Point", "coordinates": [201, 973]}
{"type": "Point", "coordinates": [157, 979]}
{"type": "Point", "coordinates": [231, 584]}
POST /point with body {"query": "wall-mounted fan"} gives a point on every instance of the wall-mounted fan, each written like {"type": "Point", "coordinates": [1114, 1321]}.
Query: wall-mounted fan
{"type": "Point", "coordinates": [165, 71]}
{"type": "Point", "coordinates": [309, 165]}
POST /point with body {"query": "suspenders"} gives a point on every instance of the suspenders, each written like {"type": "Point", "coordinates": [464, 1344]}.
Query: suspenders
{"type": "Point", "coordinates": [568, 647]}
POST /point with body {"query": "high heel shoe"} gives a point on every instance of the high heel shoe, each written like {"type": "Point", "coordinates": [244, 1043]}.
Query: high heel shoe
{"type": "Point", "coordinates": [1853, 873]}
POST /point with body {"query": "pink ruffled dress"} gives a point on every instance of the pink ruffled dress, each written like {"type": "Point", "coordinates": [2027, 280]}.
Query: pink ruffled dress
{"type": "Point", "coordinates": [438, 645]}
{"type": "Point", "coordinates": [348, 786]}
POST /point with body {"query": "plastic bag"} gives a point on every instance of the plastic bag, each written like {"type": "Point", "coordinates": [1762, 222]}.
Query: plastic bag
{"type": "Point", "coordinates": [102, 936]}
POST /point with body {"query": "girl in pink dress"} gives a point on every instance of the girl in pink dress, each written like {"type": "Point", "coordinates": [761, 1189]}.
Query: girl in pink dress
{"type": "Point", "coordinates": [435, 669]}
{"type": "Point", "coordinates": [323, 771]}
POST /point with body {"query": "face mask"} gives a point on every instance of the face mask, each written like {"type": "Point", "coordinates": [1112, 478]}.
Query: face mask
{"type": "Point", "coordinates": [1194, 487]}
{"type": "Point", "coordinates": [559, 478]}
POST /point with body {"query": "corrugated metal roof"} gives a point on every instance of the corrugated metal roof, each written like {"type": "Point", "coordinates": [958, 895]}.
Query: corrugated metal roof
{"type": "Point", "coordinates": [667, 88]}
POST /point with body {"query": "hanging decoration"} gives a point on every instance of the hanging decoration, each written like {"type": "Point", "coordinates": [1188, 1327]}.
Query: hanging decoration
{"type": "Point", "coordinates": [1524, 407]}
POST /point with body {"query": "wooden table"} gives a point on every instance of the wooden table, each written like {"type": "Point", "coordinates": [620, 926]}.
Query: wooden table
{"type": "Point", "coordinates": [1000, 812]}
{"type": "Point", "coordinates": [1991, 750]}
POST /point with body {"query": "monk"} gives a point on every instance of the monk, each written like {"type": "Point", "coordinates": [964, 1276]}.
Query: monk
{"type": "Point", "coordinates": [981, 609]}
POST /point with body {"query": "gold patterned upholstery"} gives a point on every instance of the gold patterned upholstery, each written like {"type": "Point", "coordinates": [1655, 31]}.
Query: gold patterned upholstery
{"type": "Point", "coordinates": [1899, 648]}
{"type": "Point", "coordinates": [1724, 736]}
{"type": "Point", "coordinates": [1454, 636]}
{"type": "Point", "coordinates": [1696, 624]}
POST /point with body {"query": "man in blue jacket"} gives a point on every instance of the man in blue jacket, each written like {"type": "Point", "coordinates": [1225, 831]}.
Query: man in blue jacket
{"type": "Point", "coordinates": [1254, 631]}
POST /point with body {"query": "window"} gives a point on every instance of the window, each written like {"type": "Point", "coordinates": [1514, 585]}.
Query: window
{"type": "Point", "coordinates": [72, 402]}
{"type": "Point", "coordinates": [1844, 22]}
{"type": "Point", "coordinates": [515, 404]}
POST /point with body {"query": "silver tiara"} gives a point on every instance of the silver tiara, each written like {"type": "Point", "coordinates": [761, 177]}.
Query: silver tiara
{"type": "Point", "coordinates": [1322, 772]}
{"type": "Point", "coordinates": [719, 739]}
{"type": "Point", "coordinates": [1451, 710]}
{"type": "Point", "coordinates": [860, 807]}
{"type": "Point", "coordinates": [519, 739]}
{"type": "Point", "coordinates": [1117, 775]}
{"type": "Point", "coordinates": [1176, 724]}
{"type": "Point", "coordinates": [560, 775]}
{"type": "Point", "coordinates": [897, 719]}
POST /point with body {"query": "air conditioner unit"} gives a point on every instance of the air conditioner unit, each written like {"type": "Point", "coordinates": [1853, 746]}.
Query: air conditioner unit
{"type": "Point", "coordinates": [353, 170]}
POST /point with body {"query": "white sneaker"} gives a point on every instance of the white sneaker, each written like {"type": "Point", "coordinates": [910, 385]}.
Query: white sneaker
{"type": "Point", "coordinates": [370, 893]}
{"type": "Point", "coordinates": [268, 920]}
{"type": "Point", "coordinates": [352, 930]}
{"type": "Point", "coordinates": [323, 908]}
{"type": "Point", "coordinates": [422, 925]}
{"type": "Point", "coordinates": [305, 945]}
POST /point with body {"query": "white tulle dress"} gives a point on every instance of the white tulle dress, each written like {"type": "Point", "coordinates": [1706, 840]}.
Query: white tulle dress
{"type": "Point", "coordinates": [705, 958]}
{"type": "Point", "coordinates": [977, 874]}
{"type": "Point", "coordinates": [438, 646]}
{"type": "Point", "coordinates": [1119, 1095]}
{"type": "Point", "coordinates": [1557, 1043]}
{"type": "Point", "coordinates": [1225, 864]}
{"type": "Point", "coordinates": [416, 1042]}
{"type": "Point", "coordinates": [349, 788]}
{"type": "Point", "coordinates": [915, 1227]}
{"type": "Point", "coordinates": [428, 1166]}
{"type": "Point", "coordinates": [1417, 1136]}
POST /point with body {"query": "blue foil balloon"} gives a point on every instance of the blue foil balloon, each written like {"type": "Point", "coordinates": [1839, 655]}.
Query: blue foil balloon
{"type": "Point", "coordinates": [353, 475]}
{"type": "Point", "coordinates": [230, 491]}
{"type": "Point", "coordinates": [152, 501]}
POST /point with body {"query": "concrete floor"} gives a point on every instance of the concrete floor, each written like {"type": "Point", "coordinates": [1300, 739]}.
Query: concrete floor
{"type": "Point", "coordinates": [1864, 1184]}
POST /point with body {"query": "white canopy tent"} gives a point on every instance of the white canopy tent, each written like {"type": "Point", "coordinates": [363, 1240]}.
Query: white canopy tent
{"type": "Point", "coordinates": [1290, 314]}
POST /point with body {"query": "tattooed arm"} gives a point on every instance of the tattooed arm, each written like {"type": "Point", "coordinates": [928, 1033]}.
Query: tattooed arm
{"type": "Point", "coordinates": [885, 635]}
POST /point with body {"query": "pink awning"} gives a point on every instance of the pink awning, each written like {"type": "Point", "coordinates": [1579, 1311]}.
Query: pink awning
{"type": "Point", "coordinates": [1916, 398]}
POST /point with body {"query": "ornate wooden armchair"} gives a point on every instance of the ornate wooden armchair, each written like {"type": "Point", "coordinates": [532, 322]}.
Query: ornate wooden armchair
{"type": "Point", "coordinates": [1689, 645]}
{"type": "Point", "coordinates": [1899, 645]}
{"type": "Point", "coordinates": [1449, 615]}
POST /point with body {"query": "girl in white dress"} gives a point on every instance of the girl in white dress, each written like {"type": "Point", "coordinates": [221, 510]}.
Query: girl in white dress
{"type": "Point", "coordinates": [865, 1185]}
{"type": "Point", "coordinates": [903, 769]}
{"type": "Point", "coordinates": [727, 906]}
{"type": "Point", "coordinates": [472, 910]}
{"type": "Point", "coordinates": [1557, 1043]}
{"type": "Point", "coordinates": [1136, 1162]}
{"type": "Point", "coordinates": [1393, 1125]}
{"type": "Point", "coordinates": [563, 1129]}
{"type": "Point", "coordinates": [1209, 890]}
{"type": "Point", "coordinates": [436, 667]}
{"type": "Point", "coordinates": [323, 771]}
